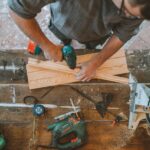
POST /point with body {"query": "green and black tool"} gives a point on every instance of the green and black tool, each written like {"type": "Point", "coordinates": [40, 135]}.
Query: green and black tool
{"type": "Point", "coordinates": [68, 132]}
{"type": "Point", "coordinates": [68, 52]}
{"type": "Point", "coordinates": [69, 56]}
{"type": "Point", "coordinates": [2, 142]}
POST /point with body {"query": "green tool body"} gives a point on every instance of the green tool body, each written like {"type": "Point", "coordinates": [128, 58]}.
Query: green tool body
{"type": "Point", "coordinates": [2, 142]}
{"type": "Point", "coordinates": [69, 132]}
{"type": "Point", "coordinates": [69, 56]}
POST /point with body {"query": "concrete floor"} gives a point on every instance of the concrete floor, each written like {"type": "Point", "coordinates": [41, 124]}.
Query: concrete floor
{"type": "Point", "coordinates": [9, 31]}
{"type": "Point", "coordinates": [12, 38]}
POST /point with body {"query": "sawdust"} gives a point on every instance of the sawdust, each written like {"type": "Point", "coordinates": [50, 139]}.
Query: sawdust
{"type": "Point", "coordinates": [124, 136]}
{"type": "Point", "coordinates": [121, 137]}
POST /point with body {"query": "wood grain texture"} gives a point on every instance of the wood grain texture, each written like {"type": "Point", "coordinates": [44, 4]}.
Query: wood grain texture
{"type": "Point", "coordinates": [48, 73]}
{"type": "Point", "coordinates": [22, 133]}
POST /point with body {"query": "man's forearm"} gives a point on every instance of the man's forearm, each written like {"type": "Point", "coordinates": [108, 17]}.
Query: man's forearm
{"type": "Point", "coordinates": [31, 28]}
{"type": "Point", "coordinates": [111, 47]}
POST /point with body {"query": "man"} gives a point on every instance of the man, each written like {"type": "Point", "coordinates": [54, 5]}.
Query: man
{"type": "Point", "coordinates": [87, 21]}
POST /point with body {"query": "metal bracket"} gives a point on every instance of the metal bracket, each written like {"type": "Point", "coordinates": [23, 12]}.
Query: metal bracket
{"type": "Point", "coordinates": [139, 102]}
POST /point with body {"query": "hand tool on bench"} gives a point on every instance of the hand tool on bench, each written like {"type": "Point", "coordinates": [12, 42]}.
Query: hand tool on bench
{"type": "Point", "coordinates": [102, 106]}
{"type": "Point", "coordinates": [37, 109]}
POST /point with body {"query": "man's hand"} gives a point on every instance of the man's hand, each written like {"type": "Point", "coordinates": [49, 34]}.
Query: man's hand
{"type": "Point", "coordinates": [31, 28]}
{"type": "Point", "coordinates": [87, 71]}
{"type": "Point", "coordinates": [54, 52]}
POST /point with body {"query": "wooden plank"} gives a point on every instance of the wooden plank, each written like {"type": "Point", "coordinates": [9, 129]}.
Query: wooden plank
{"type": "Point", "coordinates": [113, 71]}
{"type": "Point", "coordinates": [82, 58]}
{"type": "Point", "coordinates": [63, 68]}
{"type": "Point", "coordinates": [56, 78]}
{"type": "Point", "coordinates": [52, 73]}
{"type": "Point", "coordinates": [44, 78]}
{"type": "Point", "coordinates": [118, 59]}
{"type": "Point", "coordinates": [67, 74]}
{"type": "Point", "coordinates": [53, 65]}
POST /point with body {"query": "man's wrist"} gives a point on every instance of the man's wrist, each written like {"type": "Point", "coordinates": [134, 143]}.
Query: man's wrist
{"type": "Point", "coordinates": [97, 61]}
{"type": "Point", "coordinates": [47, 46]}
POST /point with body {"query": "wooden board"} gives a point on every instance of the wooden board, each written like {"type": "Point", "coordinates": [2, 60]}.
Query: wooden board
{"type": "Point", "coordinates": [48, 73]}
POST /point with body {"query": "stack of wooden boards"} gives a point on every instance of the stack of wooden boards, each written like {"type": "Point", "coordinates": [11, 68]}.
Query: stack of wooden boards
{"type": "Point", "coordinates": [48, 73]}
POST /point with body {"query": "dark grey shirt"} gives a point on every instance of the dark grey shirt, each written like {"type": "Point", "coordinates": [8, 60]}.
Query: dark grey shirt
{"type": "Point", "coordinates": [83, 20]}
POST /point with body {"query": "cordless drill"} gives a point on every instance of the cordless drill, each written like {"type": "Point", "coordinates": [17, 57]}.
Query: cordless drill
{"type": "Point", "coordinates": [68, 52]}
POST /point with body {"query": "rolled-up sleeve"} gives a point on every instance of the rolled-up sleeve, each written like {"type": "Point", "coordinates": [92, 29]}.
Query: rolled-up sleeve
{"type": "Point", "coordinates": [27, 8]}
{"type": "Point", "coordinates": [127, 28]}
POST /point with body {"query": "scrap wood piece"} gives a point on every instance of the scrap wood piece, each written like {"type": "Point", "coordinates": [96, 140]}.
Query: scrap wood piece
{"type": "Point", "coordinates": [112, 66]}
{"type": "Point", "coordinates": [50, 65]}
{"type": "Point", "coordinates": [39, 77]}
{"type": "Point", "coordinates": [118, 62]}
{"type": "Point", "coordinates": [117, 59]}
{"type": "Point", "coordinates": [63, 79]}
{"type": "Point", "coordinates": [47, 77]}
{"type": "Point", "coordinates": [120, 68]}
{"type": "Point", "coordinates": [48, 73]}
{"type": "Point", "coordinates": [83, 58]}
{"type": "Point", "coordinates": [109, 63]}
{"type": "Point", "coordinates": [116, 70]}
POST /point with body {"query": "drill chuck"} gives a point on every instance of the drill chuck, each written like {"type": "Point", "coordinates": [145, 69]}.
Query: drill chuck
{"type": "Point", "coordinates": [69, 56]}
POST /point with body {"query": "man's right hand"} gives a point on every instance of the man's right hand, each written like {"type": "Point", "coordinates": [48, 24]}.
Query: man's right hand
{"type": "Point", "coordinates": [54, 52]}
{"type": "Point", "coordinates": [31, 28]}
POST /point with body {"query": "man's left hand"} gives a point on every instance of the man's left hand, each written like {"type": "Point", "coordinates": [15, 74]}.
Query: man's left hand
{"type": "Point", "coordinates": [87, 71]}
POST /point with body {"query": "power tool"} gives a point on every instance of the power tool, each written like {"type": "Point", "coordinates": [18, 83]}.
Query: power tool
{"type": "Point", "coordinates": [68, 52]}
{"type": "Point", "coordinates": [68, 132]}
{"type": "Point", "coordinates": [2, 142]}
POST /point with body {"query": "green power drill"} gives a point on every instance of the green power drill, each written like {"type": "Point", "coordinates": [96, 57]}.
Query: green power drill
{"type": "Point", "coordinates": [68, 52]}
{"type": "Point", "coordinates": [2, 142]}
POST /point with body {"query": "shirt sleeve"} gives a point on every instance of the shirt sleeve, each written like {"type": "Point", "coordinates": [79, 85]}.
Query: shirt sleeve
{"type": "Point", "coordinates": [126, 29]}
{"type": "Point", "coordinates": [27, 8]}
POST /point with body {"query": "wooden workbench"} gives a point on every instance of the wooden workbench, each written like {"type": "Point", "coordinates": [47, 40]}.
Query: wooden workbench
{"type": "Point", "coordinates": [24, 132]}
